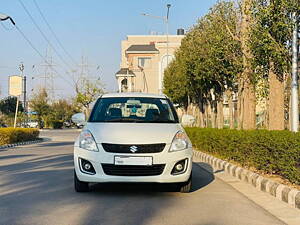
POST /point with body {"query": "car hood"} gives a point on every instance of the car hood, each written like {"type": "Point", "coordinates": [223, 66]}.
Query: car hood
{"type": "Point", "coordinates": [133, 133]}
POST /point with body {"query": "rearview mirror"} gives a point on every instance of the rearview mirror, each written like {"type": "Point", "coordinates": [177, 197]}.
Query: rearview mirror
{"type": "Point", "coordinates": [78, 118]}
{"type": "Point", "coordinates": [188, 120]}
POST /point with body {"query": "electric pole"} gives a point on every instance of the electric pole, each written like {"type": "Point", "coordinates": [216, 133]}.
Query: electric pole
{"type": "Point", "coordinates": [21, 68]}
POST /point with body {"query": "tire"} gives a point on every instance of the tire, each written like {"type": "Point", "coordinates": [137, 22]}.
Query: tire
{"type": "Point", "coordinates": [80, 186]}
{"type": "Point", "coordinates": [186, 187]}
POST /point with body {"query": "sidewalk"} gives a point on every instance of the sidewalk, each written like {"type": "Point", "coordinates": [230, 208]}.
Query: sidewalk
{"type": "Point", "coordinates": [221, 169]}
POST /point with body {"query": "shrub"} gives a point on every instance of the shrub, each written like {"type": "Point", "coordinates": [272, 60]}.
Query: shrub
{"type": "Point", "coordinates": [56, 124]}
{"type": "Point", "coordinates": [272, 152]}
{"type": "Point", "coordinates": [14, 135]}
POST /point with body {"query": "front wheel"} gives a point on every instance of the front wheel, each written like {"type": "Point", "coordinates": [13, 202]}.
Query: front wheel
{"type": "Point", "coordinates": [80, 186]}
{"type": "Point", "coordinates": [186, 187]}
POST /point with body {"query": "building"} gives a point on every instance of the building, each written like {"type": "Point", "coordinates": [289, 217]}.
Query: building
{"type": "Point", "coordinates": [143, 61]}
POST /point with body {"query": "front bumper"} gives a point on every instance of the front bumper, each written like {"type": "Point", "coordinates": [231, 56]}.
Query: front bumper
{"type": "Point", "coordinates": [102, 157]}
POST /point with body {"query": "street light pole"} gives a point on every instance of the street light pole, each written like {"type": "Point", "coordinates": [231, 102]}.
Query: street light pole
{"type": "Point", "coordinates": [4, 17]}
{"type": "Point", "coordinates": [167, 22]}
{"type": "Point", "coordinates": [294, 94]}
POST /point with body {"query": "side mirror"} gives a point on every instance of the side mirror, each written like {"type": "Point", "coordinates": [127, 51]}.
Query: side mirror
{"type": "Point", "coordinates": [78, 118]}
{"type": "Point", "coordinates": [188, 120]}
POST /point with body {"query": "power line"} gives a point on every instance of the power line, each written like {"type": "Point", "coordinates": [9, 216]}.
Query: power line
{"type": "Point", "coordinates": [53, 33]}
{"type": "Point", "coordinates": [39, 53]}
{"type": "Point", "coordinates": [33, 47]}
{"type": "Point", "coordinates": [6, 28]}
{"type": "Point", "coordinates": [42, 33]}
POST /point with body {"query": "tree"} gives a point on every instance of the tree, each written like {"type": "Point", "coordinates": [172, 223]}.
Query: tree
{"type": "Point", "coordinates": [246, 48]}
{"type": "Point", "coordinates": [88, 93]}
{"type": "Point", "coordinates": [207, 63]}
{"type": "Point", "coordinates": [62, 110]}
{"type": "Point", "coordinates": [271, 38]}
{"type": "Point", "coordinates": [8, 106]}
{"type": "Point", "coordinates": [175, 83]}
{"type": "Point", "coordinates": [247, 97]}
{"type": "Point", "coordinates": [222, 63]}
{"type": "Point", "coordinates": [40, 104]}
{"type": "Point", "coordinates": [7, 110]}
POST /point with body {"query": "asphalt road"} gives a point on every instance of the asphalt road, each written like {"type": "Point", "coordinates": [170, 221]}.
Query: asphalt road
{"type": "Point", "coordinates": [36, 187]}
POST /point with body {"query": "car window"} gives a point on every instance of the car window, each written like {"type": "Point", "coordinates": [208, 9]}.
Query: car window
{"type": "Point", "coordinates": [136, 110]}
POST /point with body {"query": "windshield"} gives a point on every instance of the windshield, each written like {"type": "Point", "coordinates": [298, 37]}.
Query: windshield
{"type": "Point", "coordinates": [134, 110]}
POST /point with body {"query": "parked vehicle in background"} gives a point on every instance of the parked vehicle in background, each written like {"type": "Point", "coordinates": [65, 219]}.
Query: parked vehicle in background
{"type": "Point", "coordinates": [79, 125]}
{"type": "Point", "coordinates": [79, 120]}
{"type": "Point", "coordinates": [32, 124]}
{"type": "Point", "coordinates": [67, 124]}
{"type": "Point", "coordinates": [132, 137]}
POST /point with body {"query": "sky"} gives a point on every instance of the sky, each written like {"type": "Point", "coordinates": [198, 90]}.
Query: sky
{"type": "Point", "coordinates": [90, 28]}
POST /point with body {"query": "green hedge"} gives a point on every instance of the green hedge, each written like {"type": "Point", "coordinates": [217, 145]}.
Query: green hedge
{"type": "Point", "coordinates": [14, 135]}
{"type": "Point", "coordinates": [272, 152]}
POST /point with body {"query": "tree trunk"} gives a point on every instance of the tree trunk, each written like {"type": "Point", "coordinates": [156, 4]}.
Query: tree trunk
{"type": "Point", "coordinates": [206, 116]}
{"type": "Point", "coordinates": [213, 114]}
{"type": "Point", "coordinates": [201, 109]}
{"type": "Point", "coordinates": [247, 89]}
{"type": "Point", "coordinates": [249, 107]}
{"type": "Point", "coordinates": [240, 107]}
{"type": "Point", "coordinates": [231, 113]}
{"type": "Point", "coordinates": [201, 118]}
{"type": "Point", "coordinates": [276, 101]}
{"type": "Point", "coordinates": [220, 115]}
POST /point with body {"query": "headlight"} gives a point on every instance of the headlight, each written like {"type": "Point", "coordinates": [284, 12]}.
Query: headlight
{"type": "Point", "coordinates": [87, 141]}
{"type": "Point", "coordinates": [180, 142]}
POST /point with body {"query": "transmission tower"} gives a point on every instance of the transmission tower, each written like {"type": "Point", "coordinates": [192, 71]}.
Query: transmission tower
{"type": "Point", "coordinates": [49, 75]}
{"type": "Point", "coordinates": [84, 71]}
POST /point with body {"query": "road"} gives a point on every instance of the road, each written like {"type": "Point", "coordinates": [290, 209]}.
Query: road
{"type": "Point", "coordinates": [36, 187]}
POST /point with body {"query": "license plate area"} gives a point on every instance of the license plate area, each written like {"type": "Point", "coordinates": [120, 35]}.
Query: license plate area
{"type": "Point", "coordinates": [133, 160]}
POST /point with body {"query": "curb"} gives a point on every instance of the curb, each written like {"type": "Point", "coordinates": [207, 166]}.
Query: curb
{"type": "Point", "coordinates": [22, 143]}
{"type": "Point", "coordinates": [279, 191]}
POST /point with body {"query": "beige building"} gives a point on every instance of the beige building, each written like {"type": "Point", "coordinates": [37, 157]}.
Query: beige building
{"type": "Point", "coordinates": [143, 61]}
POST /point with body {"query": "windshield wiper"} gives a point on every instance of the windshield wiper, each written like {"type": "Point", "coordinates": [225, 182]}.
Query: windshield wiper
{"type": "Point", "coordinates": [123, 120]}
{"type": "Point", "coordinates": [138, 120]}
{"type": "Point", "coordinates": [161, 121]}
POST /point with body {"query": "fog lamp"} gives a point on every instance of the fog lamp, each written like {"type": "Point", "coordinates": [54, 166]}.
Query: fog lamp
{"type": "Point", "coordinates": [180, 167]}
{"type": "Point", "coordinates": [86, 166]}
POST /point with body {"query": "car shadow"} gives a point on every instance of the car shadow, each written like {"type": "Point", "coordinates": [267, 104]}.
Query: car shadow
{"type": "Point", "coordinates": [45, 185]}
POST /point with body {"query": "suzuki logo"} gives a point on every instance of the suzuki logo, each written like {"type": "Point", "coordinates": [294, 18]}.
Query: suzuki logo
{"type": "Point", "coordinates": [133, 148]}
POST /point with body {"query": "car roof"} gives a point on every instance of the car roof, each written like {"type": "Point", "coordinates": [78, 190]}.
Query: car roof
{"type": "Point", "coordinates": [132, 94]}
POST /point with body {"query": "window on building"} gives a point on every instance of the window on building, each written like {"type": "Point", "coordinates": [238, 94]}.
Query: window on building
{"type": "Point", "coordinates": [144, 62]}
{"type": "Point", "coordinates": [124, 86]}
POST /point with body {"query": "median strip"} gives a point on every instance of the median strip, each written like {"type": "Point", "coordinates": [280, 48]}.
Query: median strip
{"type": "Point", "coordinates": [22, 143]}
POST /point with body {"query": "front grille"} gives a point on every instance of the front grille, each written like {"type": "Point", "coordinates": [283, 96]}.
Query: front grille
{"type": "Point", "coordinates": [146, 148]}
{"type": "Point", "coordinates": [129, 170]}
